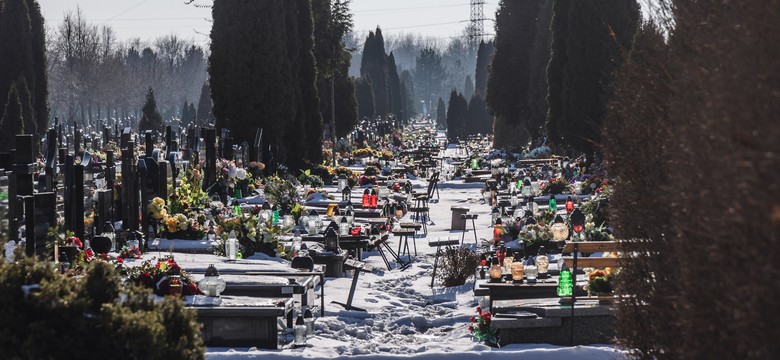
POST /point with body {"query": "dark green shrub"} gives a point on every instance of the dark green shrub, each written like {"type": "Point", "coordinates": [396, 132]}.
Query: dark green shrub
{"type": "Point", "coordinates": [84, 318]}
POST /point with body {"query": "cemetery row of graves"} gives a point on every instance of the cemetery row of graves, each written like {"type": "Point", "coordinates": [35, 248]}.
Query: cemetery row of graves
{"type": "Point", "coordinates": [237, 250]}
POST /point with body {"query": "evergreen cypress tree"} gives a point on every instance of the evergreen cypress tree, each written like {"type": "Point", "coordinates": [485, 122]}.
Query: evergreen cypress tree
{"type": "Point", "coordinates": [441, 113]}
{"type": "Point", "coordinates": [346, 103]}
{"type": "Point", "coordinates": [192, 113]}
{"type": "Point", "coordinates": [185, 114]}
{"type": "Point", "coordinates": [429, 75]}
{"type": "Point", "coordinates": [468, 88]}
{"type": "Point", "coordinates": [25, 99]}
{"type": "Point", "coordinates": [374, 66]}
{"type": "Point", "coordinates": [479, 120]}
{"type": "Point", "coordinates": [484, 57]}
{"type": "Point", "coordinates": [559, 29]}
{"type": "Point", "coordinates": [331, 22]}
{"type": "Point", "coordinates": [263, 74]}
{"type": "Point", "coordinates": [456, 117]}
{"type": "Point", "coordinates": [510, 71]}
{"type": "Point", "coordinates": [16, 56]}
{"type": "Point", "coordinates": [599, 37]}
{"type": "Point", "coordinates": [365, 98]}
{"type": "Point", "coordinates": [394, 86]}
{"type": "Point", "coordinates": [203, 114]}
{"type": "Point", "coordinates": [40, 88]}
{"type": "Point", "coordinates": [11, 123]}
{"type": "Point", "coordinates": [411, 105]}
{"type": "Point", "coordinates": [150, 116]}
{"type": "Point", "coordinates": [537, 82]}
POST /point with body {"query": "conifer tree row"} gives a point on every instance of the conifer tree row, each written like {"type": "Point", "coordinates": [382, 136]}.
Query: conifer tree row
{"type": "Point", "coordinates": [23, 61]}
{"type": "Point", "coordinates": [264, 73]}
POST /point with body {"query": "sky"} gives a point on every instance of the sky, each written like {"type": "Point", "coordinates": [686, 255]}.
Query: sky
{"type": "Point", "coordinates": [148, 19]}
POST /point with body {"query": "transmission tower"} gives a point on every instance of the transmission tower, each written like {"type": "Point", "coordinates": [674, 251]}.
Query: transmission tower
{"type": "Point", "coordinates": [476, 30]}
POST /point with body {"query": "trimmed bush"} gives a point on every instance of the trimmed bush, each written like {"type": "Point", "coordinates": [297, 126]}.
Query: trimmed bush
{"type": "Point", "coordinates": [92, 317]}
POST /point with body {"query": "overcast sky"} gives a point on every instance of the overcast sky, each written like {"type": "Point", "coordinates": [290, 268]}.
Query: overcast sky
{"type": "Point", "coordinates": [147, 19]}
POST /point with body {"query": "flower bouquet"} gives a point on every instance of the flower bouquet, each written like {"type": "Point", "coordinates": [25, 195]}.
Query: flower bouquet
{"type": "Point", "coordinates": [283, 193]}
{"type": "Point", "coordinates": [307, 178]}
{"type": "Point", "coordinates": [555, 186]}
{"type": "Point", "coordinates": [177, 226]}
{"type": "Point", "coordinates": [163, 278]}
{"type": "Point", "coordinates": [363, 152]}
{"type": "Point", "coordinates": [535, 233]}
{"type": "Point", "coordinates": [253, 235]}
{"type": "Point", "coordinates": [481, 330]}
{"type": "Point", "coordinates": [600, 281]}
{"type": "Point", "coordinates": [230, 176]}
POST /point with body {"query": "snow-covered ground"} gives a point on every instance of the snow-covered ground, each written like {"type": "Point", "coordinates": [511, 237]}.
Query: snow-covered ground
{"type": "Point", "coordinates": [406, 317]}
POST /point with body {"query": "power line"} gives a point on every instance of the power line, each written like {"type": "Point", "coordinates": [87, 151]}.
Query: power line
{"type": "Point", "coordinates": [136, 19]}
{"type": "Point", "coordinates": [426, 25]}
{"type": "Point", "coordinates": [123, 12]}
{"type": "Point", "coordinates": [406, 8]}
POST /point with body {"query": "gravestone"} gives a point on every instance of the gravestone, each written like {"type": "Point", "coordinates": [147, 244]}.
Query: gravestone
{"type": "Point", "coordinates": [196, 151]}
{"type": "Point", "coordinates": [76, 140]}
{"type": "Point", "coordinates": [106, 135]}
{"type": "Point", "coordinates": [110, 170]}
{"type": "Point", "coordinates": [74, 197]}
{"type": "Point", "coordinates": [21, 182]}
{"type": "Point", "coordinates": [168, 139]}
{"type": "Point", "coordinates": [104, 209]}
{"type": "Point", "coordinates": [45, 215]}
{"type": "Point", "coordinates": [149, 143]}
{"type": "Point", "coordinates": [226, 142]}
{"type": "Point", "coordinates": [51, 160]}
{"type": "Point", "coordinates": [130, 186]}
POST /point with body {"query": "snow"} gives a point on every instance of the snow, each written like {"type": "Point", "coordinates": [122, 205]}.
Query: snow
{"type": "Point", "coordinates": [405, 317]}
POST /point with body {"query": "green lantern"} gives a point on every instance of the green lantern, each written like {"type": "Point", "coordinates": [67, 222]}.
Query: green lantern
{"type": "Point", "coordinates": [564, 283]}
{"type": "Point", "coordinates": [553, 204]}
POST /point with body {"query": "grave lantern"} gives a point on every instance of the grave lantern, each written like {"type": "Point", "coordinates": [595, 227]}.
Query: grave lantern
{"type": "Point", "coordinates": [346, 193]}
{"type": "Point", "coordinates": [565, 284]}
{"type": "Point", "coordinates": [559, 229]}
{"type": "Point", "coordinates": [300, 332]}
{"type": "Point", "coordinates": [527, 187]}
{"type": "Point", "coordinates": [532, 206]}
{"type": "Point", "coordinates": [518, 270]}
{"type": "Point", "coordinates": [495, 270]}
{"type": "Point", "coordinates": [331, 240]}
{"type": "Point", "coordinates": [577, 221]}
{"type": "Point", "coordinates": [342, 180]}
{"type": "Point", "coordinates": [553, 204]}
{"type": "Point", "coordinates": [212, 284]}
{"type": "Point", "coordinates": [542, 262]}
{"type": "Point", "coordinates": [349, 215]}
{"type": "Point", "coordinates": [110, 233]}
{"type": "Point", "coordinates": [366, 201]}
{"type": "Point", "coordinates": [569, 205]}
{"type": "Point", "coordinates": [374, 198]}
{"type": "Point", "coordinates": [343, 226]}
{"type": "Point", "coordinates": [531, 270]}
{"type": "Point", "coordinates": [266, 213]}
{"type": "Point", "coordinates": [495, 214]}
{"type": "Point", "coordinates": [308, 319]}
{"type": "Point", "coordinates": [211, 235]}
{"type": "Point", "coordinates": [513, 198]}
